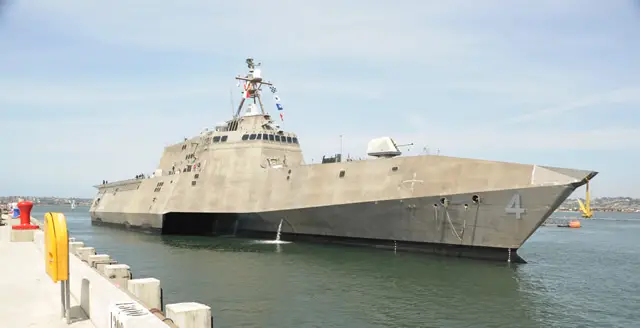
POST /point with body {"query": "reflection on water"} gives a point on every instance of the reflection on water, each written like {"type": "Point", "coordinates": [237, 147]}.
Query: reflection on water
{"type": "Point", "coordinates": [575, 278]}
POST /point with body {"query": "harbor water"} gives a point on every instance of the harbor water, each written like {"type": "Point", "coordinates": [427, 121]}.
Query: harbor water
{"type": "Point", "coordinates": [585, 277]}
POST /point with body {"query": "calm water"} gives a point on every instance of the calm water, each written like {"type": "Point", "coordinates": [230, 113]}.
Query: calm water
{"type": "Point", "coordinates": [586, 277]}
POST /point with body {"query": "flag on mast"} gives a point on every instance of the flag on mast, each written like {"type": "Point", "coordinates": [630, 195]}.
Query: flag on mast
{"type": "Point", "coordinates": [276, 98]}
{"type": "Point", "coordinates": [246, 87]}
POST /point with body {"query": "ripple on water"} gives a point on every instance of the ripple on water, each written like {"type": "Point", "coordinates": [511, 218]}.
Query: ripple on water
{"type": "Point", "coordinates": [583, 277]}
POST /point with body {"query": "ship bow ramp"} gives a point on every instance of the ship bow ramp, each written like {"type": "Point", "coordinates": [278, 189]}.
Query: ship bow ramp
{"type": "Point", "coordinates": [546, 175]}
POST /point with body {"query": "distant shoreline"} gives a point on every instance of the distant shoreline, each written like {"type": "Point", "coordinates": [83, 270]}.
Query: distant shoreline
{"type": "Point", "coordinates": [619, 210]}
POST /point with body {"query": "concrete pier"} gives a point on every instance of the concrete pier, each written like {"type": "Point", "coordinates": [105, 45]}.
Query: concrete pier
{"type": "Point", "coordinates": [29, 297]}
{"type": "Point", "coordinates": [103, 293]}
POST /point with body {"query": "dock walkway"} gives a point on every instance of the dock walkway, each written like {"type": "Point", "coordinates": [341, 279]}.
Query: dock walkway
{"type": "Point", "coordinates": [29, 298]}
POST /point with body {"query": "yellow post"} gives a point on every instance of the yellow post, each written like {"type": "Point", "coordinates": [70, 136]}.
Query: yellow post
{"type": "Point", "coordinates": [56, 243]}
{"type": "Point", "coordinates": [588, 199]}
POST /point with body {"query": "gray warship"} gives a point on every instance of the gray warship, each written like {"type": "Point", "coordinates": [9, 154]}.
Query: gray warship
{"type": "Point", "coordinates": [248, 177]}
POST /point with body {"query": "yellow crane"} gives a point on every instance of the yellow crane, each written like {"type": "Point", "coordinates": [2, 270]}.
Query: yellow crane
{"type": "Point", "coordinates": [586, 207]}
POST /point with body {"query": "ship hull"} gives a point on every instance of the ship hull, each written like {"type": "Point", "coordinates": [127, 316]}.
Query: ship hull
{"type": "Point", "coordinates": [484, 230]}
{"type": "Point", "coordinates": [463, 251]}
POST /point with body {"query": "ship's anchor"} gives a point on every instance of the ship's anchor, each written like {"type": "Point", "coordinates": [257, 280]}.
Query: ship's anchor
{"type": "Point", "coordinates": [445, 202]}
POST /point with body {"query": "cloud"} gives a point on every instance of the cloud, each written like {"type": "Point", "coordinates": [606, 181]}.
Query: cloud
{"type": "Point", "coordinates": [365, 31]}
{"type": "Point", "coordinates": [109, 84]}
{"type": "Point", "coordinates": [488, 141]}
{"type": "Point", "coordinates": [56, 94]}
{"type": "Point", "coordinates": [83, 92]}
{"type": "Point", "coordinates": [629, 95]}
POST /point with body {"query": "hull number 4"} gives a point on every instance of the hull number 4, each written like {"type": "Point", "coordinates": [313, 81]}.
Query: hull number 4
{"type": "Point", "coordinates": [514, 207]}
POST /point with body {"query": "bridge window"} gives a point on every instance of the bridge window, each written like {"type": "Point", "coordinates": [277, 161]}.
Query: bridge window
{"type": "Point", "coordinates": [271, 137]}
{"type": "Point", "coordinates": [223, 138]}
{"type": "Point", "coordinates": [283, 139]}
{"type": "Point", "coordinates": [259, 136]}
{"type": "Point", "coordinates": [216, 139]}
{"type": "Point", "coordinates": [295, 140]}
{"type": "Point", "coordinates": [252, 137]}
{"type": "Point", "coordinates": [277, 138]}
{"type": "Point", "coordinates": [289, 140]}
{"type": "Point", "coordinates": [265, 136]}
{"type": "Point", "coordinates": [245, 137]}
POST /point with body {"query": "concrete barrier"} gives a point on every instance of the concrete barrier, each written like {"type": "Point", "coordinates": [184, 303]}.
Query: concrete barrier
{"type": "Point", "coordinates": [74, 245]}
{"type": "Point", "coordinates": [118, 274]}
{"type": "Point", "coordinates": [110, 298]}
{"type": "Point", "coordinates": [190, 315]}
{"type": "Point", "coordinates": [147, 290]}
{"type": "Point", "coordinates": [93, 260]}
{"type": "Point", "coordinates": [97, 295]}
{"type": "Point", "coordinates": [84, 253]}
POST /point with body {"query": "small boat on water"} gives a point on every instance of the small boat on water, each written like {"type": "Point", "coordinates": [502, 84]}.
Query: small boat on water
{"type": "Point", "coordinates": [572, 224]}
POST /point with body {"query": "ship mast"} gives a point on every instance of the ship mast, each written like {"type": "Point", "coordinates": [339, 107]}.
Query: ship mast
{"type": "Point", "coordinates": [252, 86]}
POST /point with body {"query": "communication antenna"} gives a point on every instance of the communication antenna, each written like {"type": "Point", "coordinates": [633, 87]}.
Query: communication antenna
{"type": "Point", "coordinates": [233, 107]}
{"type": "Point", "coordinates": [253, 83]}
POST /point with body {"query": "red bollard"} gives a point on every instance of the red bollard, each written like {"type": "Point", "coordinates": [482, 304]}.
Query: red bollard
{"type": "Point", "coordinates": [25, 217]}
